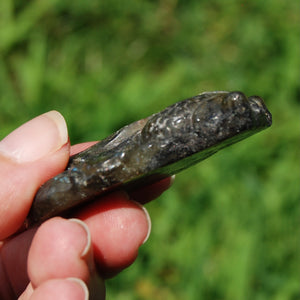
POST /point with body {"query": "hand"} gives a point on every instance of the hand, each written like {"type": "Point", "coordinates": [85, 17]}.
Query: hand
{"type": "Point", "coordinates": [62, 259]}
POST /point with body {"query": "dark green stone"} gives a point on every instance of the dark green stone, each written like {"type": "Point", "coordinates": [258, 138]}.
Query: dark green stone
{"type": "Point", "coordinates": [153, 148]}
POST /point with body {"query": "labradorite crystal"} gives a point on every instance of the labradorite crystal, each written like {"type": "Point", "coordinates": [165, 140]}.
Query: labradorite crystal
{"type": "Point", "coordinates": [152, 148]}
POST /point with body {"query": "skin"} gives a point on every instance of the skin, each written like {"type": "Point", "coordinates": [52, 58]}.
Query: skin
{"type": "Point", "coordinates": [62, 259]}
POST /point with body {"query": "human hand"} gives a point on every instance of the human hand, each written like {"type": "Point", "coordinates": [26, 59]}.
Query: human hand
{"type": "Point", "coordinates": [62, 259]}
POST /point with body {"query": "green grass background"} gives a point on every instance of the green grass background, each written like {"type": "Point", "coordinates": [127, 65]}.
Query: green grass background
{"type": "Point", "coordinates": [229, 227]}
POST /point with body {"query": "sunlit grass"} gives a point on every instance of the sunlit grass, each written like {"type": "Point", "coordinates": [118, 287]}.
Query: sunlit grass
{"type": "Point", "coordinates": [229, 227]}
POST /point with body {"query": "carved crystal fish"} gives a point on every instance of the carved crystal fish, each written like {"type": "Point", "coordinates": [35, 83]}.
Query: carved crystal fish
{"type": "Point", "coordinates": [152, 148]}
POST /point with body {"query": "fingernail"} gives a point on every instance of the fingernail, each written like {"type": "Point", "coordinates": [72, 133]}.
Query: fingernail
{"type": "Point", "coordinates": [87, 248]}
{"type": "Point", "coordinates": [172, 179]}
{"type": "Point", "coordinates": [82, 285]}
{"type": "Point", "coordinates": [38, 137]}
{"type": "Point", "coordinates": [149, 224]}
{"type": "Point", "coordinates": [148, 221]}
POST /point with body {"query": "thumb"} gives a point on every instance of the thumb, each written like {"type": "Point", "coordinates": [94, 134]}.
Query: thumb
{"type": "Point", "coordinates": [30, 155]}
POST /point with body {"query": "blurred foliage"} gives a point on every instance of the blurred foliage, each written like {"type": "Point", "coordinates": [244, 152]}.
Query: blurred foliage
{"type": "Point", "coordinates": [229, 227]}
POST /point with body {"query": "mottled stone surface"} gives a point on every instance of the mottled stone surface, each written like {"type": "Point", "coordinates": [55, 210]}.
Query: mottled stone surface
{"type": "Point", "coordinates": [152, 148]}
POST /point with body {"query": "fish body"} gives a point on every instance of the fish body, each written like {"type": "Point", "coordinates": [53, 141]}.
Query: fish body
{"type": "Point", "coordinates": [152, 148]}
